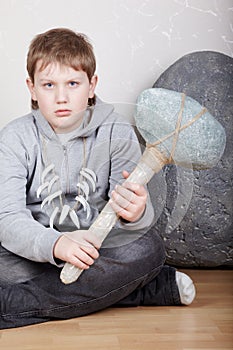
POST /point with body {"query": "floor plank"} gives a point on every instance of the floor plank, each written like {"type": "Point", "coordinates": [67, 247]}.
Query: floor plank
{"type": "Point", "coordinates": [205, 325]}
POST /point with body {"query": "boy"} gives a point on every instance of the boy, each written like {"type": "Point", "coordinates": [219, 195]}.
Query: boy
{"type": "Point", "coordinates": [59, 166]}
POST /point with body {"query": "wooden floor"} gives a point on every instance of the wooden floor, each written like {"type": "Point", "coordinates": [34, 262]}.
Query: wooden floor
{"type": "Point", "coordinates": [206, 324]}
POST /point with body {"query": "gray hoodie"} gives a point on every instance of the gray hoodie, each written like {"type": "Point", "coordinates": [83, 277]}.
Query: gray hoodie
{"type": "Point", "coordinates": [42, 179]}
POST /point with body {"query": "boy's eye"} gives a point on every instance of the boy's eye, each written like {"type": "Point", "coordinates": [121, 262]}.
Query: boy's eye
{"type": "Point", "coordinates": [48, 85]}
{"type": "Point", "coordinates": [73, 83]}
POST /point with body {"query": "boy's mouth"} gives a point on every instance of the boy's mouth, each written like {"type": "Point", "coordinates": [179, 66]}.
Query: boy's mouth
{"type": "Point", "coordinates": [62, 112]}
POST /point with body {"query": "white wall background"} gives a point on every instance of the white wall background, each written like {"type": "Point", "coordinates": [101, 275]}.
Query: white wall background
{"type": "Point", "coordinates": [134, 40]}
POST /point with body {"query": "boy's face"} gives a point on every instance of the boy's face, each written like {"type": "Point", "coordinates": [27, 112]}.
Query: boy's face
{"type": "Point", "coordinates": [62, 94]}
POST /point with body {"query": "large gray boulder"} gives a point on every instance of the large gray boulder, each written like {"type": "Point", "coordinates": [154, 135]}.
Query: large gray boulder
{"type": "Point", "coordinates": [194, 209]}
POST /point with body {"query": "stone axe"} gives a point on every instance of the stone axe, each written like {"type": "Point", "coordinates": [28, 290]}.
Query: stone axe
{"type": "Point", "coordinates": [177, 131]}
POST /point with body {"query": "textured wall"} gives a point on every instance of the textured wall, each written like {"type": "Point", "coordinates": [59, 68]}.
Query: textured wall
{"type": "Point", "coordinates": [134, 40]}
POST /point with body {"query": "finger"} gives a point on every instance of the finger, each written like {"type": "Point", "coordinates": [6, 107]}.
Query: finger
{"type": "Point", "coordinates": [74, 260]}
{"type": "Point", "coordinates": [84, 257]}
{"type": "Point", "coordinates": [124, 213]}
{"type": "Point", "coordinates": [91, 251]}
{"type": "Point", "coordinates": [126, 192]}
{"type": "Point", "coordinates": [89, 240]}
{"type": "Point", "coordinates": [115, 207]}
{"type": "Point", "coordinates": [122, 198]}
{"type": "Point", "coordinates": [137, 189]}
{"type": "Point", "coordinates": [93, 240]}
{"type": "Point", "coordinates": [125, 174]}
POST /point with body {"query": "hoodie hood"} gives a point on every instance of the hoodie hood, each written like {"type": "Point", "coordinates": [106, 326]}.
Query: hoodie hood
{"type": "Point", "coordinates": [93, 118]}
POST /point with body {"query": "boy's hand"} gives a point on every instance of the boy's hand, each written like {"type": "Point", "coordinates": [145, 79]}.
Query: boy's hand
{"type": "Point", "coordinates": [129, 200]}
{"type": "Point", "coordinates": [79, 248]}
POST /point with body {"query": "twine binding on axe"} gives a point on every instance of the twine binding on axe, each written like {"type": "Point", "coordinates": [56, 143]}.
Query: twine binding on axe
{"type": "Point", "coordinates": [176, 132]}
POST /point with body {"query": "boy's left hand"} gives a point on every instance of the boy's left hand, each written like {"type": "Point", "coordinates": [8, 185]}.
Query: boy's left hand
{"type": "Point", "coordinates": [129, 200]}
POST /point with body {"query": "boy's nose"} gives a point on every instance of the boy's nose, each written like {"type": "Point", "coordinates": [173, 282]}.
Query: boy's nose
{"type": "Point", "coordinates": [61, 95]}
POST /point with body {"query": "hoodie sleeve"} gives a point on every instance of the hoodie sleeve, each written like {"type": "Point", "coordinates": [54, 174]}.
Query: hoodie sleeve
{"type": "Point", "coordinates": [125, 154]}
{"type": "Point", "coordinates": [20, 233]}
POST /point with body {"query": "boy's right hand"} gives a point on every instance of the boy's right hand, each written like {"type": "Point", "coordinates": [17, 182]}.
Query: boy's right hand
{"type": "Point", "coordinates": [79, 248]}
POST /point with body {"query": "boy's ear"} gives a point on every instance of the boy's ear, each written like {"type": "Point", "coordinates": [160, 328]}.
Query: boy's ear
{"type": "Point", "coordinates": [31, 89]}
{"type": "Point", "coordinates": [93, 84]}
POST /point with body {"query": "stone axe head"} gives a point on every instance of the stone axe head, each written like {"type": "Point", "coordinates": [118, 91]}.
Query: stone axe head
{"type": "Point", "coordinates": [182, 130]}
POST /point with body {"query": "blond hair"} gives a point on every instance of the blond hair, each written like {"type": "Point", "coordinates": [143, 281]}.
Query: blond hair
{"type": "Point", "coordinates": [63, 46]}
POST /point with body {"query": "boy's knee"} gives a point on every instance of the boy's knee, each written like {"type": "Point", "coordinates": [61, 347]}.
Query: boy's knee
{"type": "Point", "coordinates": [147, 252]}
{"type": "Point", "coordinates": [154, 248]}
